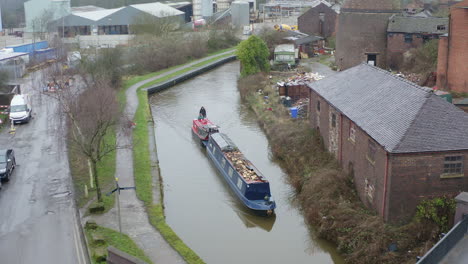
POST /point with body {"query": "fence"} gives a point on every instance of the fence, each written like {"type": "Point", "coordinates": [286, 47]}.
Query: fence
{"type": "Point", "coordinates": [443, 247]}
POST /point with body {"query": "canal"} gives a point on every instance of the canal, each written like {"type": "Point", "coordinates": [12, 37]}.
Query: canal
{"type": "Point", "coordinates": [199, 205]}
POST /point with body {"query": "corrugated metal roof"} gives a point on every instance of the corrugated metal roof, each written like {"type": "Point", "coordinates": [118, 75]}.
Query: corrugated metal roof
{"type": "Point", "coordinates": [412, 24]}
{"type": "Point", "coordinates": [401, 116]}
{"type": "Point", "coordinates": [97, 15]}
{"type": "Point", "coordinates": [11, 55]}
{"type": "Point", "coordinates": [86, 8]}
{"type": "Point", "coordinates": [158, 9]}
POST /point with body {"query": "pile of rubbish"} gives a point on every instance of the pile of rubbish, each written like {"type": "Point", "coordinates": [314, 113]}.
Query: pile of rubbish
{"type": "Point", "coordinates": [243, 166]}
{"type": "Point", "coordinates": [412, 77]}
{"type": "Point", "coordinates": [301, 78]}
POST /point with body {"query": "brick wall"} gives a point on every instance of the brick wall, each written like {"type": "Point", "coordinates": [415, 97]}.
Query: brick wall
{"type": "Point", "coordinates": [396, 46]}
{"type": "Point", "coordinates": [368, 172]}
{"type": "Point", "coordinates": [457, 69]}
{"type": "Point", "coordinates": [359, 34]}
{"type": "Point", "coordinates": [295, 92]}
{"type": "Point", "coordinates": [418, 176]}
{"type": "Point", "coordinates": [353, 155]}
{"type": "Point", "coordinates": [309, 22]}
{"type": "Point", "coordinates": [442, 62]}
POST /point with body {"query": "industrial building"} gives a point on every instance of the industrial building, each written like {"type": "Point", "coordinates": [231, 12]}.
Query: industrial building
{"type": "Point", "coordinates": [116, 21]}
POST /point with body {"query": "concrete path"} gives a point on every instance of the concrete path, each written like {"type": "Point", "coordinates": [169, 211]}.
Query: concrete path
{"type": "Point", "coordinates": [134, 218]}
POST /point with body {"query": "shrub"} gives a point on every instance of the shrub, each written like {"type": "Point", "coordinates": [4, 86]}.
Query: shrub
{"type": "Point", "coordinates": [422, 59]}
{"type": "Point", "coordinates": [438, 211]}
{"type": "Point", "coordinates": [253, 54]}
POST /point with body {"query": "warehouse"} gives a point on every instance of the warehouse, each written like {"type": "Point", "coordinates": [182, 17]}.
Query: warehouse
{"type": "Point", "coordinates": [100, 21]}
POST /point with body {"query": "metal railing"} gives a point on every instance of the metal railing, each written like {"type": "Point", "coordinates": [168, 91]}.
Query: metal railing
{"type": "Point", "coordinates": [443, 247]}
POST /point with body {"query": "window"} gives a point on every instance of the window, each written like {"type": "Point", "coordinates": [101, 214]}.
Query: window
{"type": "Point", "coordinates": [453, 165]}
{"type": "Point", "coordinates": [322, 17]}
{"type": "Point", "coordinates": [284, 57]}
{"type": "Point", "coordinates": [408, 38]}
{"type": "Point", "coordinates": [371, 150]}
{"type": "Point", "coordinates": [352, 132]}
{"type": "Point", "coordinates": [440, 27]}
{"type": "Point", "coordinates": [333, 120]}
{"type": "Point", "coordinates": [318, 106]}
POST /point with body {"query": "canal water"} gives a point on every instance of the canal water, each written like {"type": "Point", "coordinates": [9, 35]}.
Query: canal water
{"type": "Point", "coordinates": [199, 205]}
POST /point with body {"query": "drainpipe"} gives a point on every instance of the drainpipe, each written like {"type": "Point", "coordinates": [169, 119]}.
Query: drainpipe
{"type": "Point", "coordinates": [341, 139]}
{"type": "Point", "coordinates": [385, 187]}
{"type": "Point", "coordinates": [448, 54]}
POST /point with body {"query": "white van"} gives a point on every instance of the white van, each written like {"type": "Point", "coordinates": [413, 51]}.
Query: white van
{"type": "Point", "coordinates": [20, 109]}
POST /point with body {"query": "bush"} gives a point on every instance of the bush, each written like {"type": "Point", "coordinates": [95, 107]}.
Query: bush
{"type": "Point", "coordinates": [253, 54]}
{"type": "Point", "coordinates": [437, 211]}
{"type": "Point", "coordinates": [423, 59]}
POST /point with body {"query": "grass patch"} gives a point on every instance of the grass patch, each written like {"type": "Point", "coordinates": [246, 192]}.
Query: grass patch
{"type": "Point", "coordinates": [131, 80]}
{"type": "Point", "coordinates": [80, 175]}
{"type": "Point", "coordinates": [112, 238]}
{"type": "Point", "coordinates": [141, 154]}
{"type": "Point", "coordinates": [193, 67]}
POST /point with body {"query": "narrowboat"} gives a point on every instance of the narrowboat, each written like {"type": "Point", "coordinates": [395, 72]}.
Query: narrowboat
{"type": "Point", "coordinates": [249, 185]}
{"type": "Point", "coordinates": [202, 128]}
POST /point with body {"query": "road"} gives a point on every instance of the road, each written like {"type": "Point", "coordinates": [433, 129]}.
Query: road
{"type": "Point", "coordinates": [38, 221]}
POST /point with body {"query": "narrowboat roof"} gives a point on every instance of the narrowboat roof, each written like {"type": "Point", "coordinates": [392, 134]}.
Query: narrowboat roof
{"type": "Point", "coordinates": [224, 142]}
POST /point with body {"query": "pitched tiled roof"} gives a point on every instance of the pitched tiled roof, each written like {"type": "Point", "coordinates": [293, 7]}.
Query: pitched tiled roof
{"type": "Point", "coordinates": [370, 4]}
{"type": "Point", "coordinates": [401, 116]}
{"type": "Point", "coordinates": [413, 24]}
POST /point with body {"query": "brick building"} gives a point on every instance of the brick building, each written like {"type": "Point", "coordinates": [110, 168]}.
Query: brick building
{"type": "Point", "coordinates": [452, 66]}
{"type": "Point", "coordinates": [407, 32]}
{"type": "Point", "coordinates": [362, 32]}
{"type": "Point", "coordinates": [400, 142]}
{"type": "Point", "coordinates": [320, 19]}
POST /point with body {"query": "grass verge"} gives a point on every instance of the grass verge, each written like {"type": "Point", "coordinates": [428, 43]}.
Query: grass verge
{"type": "Point", "coordinates": [80, 174]}
{"type": "Point", "coordinates": [326, 194]}
{"type": "Point", "coordinates": [100, 238]}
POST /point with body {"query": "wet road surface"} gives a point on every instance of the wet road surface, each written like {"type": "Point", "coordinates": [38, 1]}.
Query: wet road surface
{"type": "Point", "coordinates": [37, 216]}
{"type": "Point", "coordinates": [200, 207]}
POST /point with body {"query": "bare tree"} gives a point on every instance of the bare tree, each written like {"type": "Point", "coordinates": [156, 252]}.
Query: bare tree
{"type": "Point", "coordinates": [41, 24]}
{"type": "Point", "coordinates": [92, 111]}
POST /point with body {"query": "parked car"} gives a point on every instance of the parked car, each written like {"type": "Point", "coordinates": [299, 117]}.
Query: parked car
{"type": "Point", "coordinates": [7, 164]}
{"type": "Point", "coordinates": [20, 108]}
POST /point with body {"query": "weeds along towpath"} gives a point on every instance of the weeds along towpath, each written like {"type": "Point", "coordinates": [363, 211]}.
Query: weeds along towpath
{"type": "Point", "coordinates": [134, 217]}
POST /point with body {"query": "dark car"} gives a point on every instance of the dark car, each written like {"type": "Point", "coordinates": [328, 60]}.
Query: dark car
{"type": "Point", "coordinates": [7, 164]}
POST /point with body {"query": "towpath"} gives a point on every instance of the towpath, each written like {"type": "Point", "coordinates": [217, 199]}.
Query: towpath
{"type": "Point", "coordinates": [133, 214]}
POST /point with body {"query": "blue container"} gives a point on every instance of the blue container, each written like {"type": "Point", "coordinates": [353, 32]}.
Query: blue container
{"type": "Point", "coordinates": [30, 47]}
{"type": "Point", "coordinates": [293, 112]}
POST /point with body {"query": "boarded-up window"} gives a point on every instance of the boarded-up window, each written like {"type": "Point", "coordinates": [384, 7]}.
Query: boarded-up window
{"type": "Point", "coordinates": [408, 38]}
{"type": "Point", "coordinates": [352, 131]}
{"type": "Point", "coordinates": [372, 149]}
